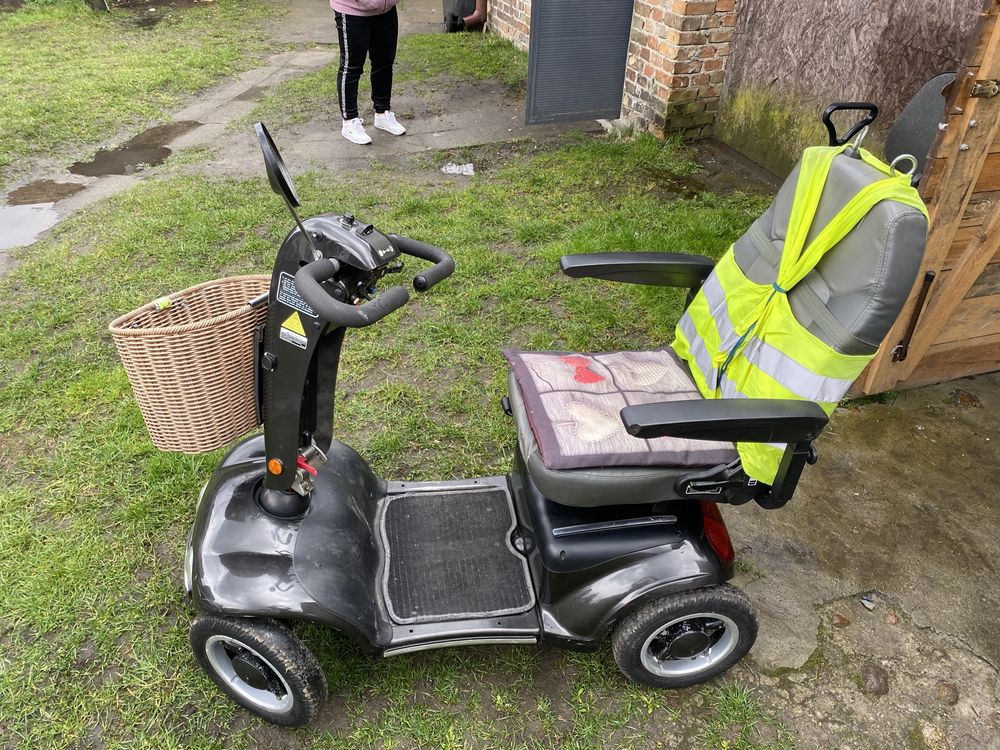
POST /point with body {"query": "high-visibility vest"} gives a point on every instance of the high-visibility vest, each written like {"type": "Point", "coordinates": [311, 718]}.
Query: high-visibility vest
{"type": "Point", "coordinates": [741, 339]}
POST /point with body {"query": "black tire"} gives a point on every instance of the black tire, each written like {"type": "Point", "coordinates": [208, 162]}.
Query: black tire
{"type": "Point", "coordinates": [643, 642]}
{"type": "Point", "coordinates": [284, 683]}
{"type": "Point", "coordinates": [452, 23]}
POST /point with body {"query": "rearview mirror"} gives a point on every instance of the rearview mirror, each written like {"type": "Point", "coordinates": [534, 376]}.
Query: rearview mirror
{"type": "Point", "coordinates": [277, 174]}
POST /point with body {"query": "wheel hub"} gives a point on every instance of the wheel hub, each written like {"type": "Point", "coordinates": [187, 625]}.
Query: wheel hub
{"type": "Point", "coordinates": [253, 671]}
{"type": "Point", "coordinates": [688, 644]}
{"type": "Point", "coordinates": [687, 639]}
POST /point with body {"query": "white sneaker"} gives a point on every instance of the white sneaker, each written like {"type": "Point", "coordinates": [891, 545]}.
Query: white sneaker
{"type": "Point", "coordinates": [387, 121]}
{"type": "Point", "coordinates": [354, 131]}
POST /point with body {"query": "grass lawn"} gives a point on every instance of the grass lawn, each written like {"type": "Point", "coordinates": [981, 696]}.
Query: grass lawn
{"type": "Point", "coordinates": [71, 77]}
{"type": "Point", "coordinates": [93, 626]}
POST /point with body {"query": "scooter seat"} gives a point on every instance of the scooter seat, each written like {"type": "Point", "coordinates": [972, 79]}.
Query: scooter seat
{"type": "Point", "coordinates": [589, 460]}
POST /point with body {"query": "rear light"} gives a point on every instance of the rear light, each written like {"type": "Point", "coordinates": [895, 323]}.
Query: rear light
{"type": "Point", "coordinates": [716, 532]}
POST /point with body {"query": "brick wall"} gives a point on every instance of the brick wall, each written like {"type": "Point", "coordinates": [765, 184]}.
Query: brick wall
{"type": "Point", "coordinates": [511, 19]}
{"type": "Point", "coordinates": [676, 60]}
{"type": "Point", "coordinates": [676, 65]}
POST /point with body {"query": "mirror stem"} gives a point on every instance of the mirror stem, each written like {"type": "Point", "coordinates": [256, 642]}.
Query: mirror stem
{"type": "Point", "coordinates": [316, 253]}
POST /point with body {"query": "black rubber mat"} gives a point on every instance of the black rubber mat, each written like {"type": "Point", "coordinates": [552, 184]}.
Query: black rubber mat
{"type": "Point", "coordinates": [449, 557]}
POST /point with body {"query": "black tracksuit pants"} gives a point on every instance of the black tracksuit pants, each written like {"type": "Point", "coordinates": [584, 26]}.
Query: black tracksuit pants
{"type": "Point", "coordinates": [361, 37]}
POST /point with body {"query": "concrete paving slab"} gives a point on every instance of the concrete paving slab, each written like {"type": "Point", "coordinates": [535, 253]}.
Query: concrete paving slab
{"type": "Point", "coordinates": [466, 113]}
{"type": "Point", "coordinates": [306, 22]}
{"type": "Point", "coordinates": [879, 680]}
{"type": "Point", "coordinates": [22, 225]}
{"type": "Point", "coordinates": [312, 22]}
{"type": "Point", "coordinates": [421, 16]}
{"type": "Point", "coordinates": [903, 501]}
{"type": "Point", "coordinates": [97, 191]}
{"type": "Point", "coordinates": [211, 106]}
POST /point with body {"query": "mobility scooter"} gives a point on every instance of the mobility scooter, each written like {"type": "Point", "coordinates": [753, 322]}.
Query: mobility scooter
{"type": "Point", "coordinates": [568, 548]}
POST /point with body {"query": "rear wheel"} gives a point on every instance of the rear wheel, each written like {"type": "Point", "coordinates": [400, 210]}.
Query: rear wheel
{"type": "Point", "coordinates": [686, 638]}
{"type": "Point", "coordinates": [262, 666]}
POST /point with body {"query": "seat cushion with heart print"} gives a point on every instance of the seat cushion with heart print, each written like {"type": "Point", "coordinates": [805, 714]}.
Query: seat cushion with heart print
{"type": "Point", "coordinates": [573, 402]}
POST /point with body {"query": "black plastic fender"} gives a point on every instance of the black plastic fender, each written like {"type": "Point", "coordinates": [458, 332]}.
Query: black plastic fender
{"type": "Point", "coordinates": [248, 563]}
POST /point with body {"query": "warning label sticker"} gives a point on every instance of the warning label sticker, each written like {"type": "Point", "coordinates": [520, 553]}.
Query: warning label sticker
{"type": "Point", "coordinates": [293, 332]}
{"type": "Point", "coordinates": [289, 295]}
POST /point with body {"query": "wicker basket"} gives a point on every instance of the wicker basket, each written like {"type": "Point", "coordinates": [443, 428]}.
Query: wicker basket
{"type": "Point", "coordinates": [190, 359]}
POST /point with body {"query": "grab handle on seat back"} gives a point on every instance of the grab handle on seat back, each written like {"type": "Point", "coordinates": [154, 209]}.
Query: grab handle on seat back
{"type": "Point", "coordinates": [868, 107]}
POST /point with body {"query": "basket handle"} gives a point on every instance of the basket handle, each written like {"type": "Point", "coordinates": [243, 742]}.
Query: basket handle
{"type": "Point", "coordinates": [308, 281]}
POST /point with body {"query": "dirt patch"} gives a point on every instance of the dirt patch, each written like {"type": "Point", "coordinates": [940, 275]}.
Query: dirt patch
{"type": "Point", "coordinates": [9, 6]}
{"type": "Point", "coordinates": [723, 172]}
{"type": "Point", "coordinates": [159, 5]}
{"type": "Point", "coordinates": [726, 171]}
{"type": "Point", "coordinates": [491, 157]}
{"type": "Point", "coordinates": [7, 262]}
{"type": "Point", "coordinates": [148, 13]}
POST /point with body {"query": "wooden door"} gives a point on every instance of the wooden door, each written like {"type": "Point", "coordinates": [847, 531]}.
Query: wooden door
{"type": "Point", "coordinates": [955, 324]}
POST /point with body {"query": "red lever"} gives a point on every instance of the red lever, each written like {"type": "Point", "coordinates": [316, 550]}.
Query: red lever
{"type": "Point", "coordinates": [303, 464]}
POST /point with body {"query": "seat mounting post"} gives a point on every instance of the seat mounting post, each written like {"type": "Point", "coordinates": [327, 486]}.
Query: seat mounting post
{"type": "Point", "coordinates": [794, 459]}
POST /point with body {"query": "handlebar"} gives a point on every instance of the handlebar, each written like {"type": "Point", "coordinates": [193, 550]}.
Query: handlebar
{"type": "Point", "coordinates": [309, 278]}
{"type": "Point", "coordinates": [307, 281]}
{"type": "Point", "coordinates": [443, 266]}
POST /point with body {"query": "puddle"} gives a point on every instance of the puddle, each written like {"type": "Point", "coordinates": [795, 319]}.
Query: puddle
{"type": "Point", "coordinates": [42, 191]}
{"type": "Point", "coordinates": [145, 150]}
{"type": "Point", "coordinates": [21, 225]}
{"type": "Point", "coordinates": [252, 93]}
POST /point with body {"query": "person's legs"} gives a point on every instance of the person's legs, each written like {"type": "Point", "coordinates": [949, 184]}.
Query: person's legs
{"type": "Point", "coordinates": [354, 35]}
{"type": "Point", "coordinates": [385, 29]}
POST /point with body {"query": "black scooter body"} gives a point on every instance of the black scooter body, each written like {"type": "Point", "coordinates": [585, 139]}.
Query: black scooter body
{"type": "Point", "coordinates": [326, 566]}
{"type": "Point", "coordinates": [295, 525]}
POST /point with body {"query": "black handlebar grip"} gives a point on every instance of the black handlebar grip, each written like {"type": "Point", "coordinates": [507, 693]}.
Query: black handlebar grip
{"type": "Point", "coordinates": [444, 264]}
{"type": "Point", "coordinates": [307, 281]}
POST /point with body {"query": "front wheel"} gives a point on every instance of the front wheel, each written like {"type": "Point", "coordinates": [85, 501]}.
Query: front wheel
{"type": "Point", "coordinates": [262, 666]}
{"type": "Point", "coordinates": [687, 638]}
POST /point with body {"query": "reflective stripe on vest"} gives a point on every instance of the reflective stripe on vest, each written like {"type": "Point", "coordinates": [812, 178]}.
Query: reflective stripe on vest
{"type": "Point", "coordinates": [741, 338]}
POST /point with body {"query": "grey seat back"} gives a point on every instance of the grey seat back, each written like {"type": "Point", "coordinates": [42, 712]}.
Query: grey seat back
{"type": "Point", "coordinates": [852, 297]}
{"type": "Point", "coordinates": [856, 292]}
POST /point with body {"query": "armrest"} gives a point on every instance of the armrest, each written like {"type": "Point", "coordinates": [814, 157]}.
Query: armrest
{"type": "Point", "coordinates": [655, 269]}
{"type": "Point", "coordinates": [748, 420]}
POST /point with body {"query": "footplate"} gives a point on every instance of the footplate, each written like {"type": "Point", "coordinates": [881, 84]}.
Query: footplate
{"type": "Point", "coordinates": [448, 554]}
